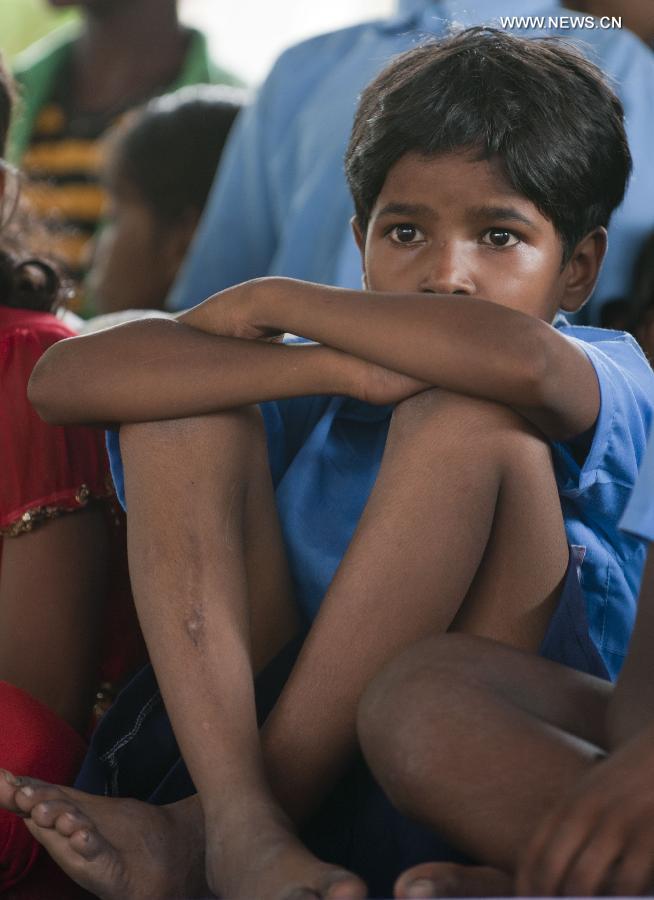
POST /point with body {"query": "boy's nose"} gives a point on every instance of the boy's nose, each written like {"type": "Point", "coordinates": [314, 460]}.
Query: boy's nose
{"type": "Point", "coordinates": [447, 273]}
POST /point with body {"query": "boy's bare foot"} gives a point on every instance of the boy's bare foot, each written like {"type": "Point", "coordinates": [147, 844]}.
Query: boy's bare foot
{"type": "Point", "coordinates": [254, 853]}
{"type": "Point", "coordinates": [116, 849]}
{"type": "Point", "coordinates": [452, 880]}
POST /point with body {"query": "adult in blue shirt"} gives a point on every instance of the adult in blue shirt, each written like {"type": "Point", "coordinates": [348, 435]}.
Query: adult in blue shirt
{"type": "Point", "coordinates": [280, 205]}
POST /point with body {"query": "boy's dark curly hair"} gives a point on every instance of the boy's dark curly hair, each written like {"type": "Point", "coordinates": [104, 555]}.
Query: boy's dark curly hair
{"type": "Point", "coordinates": [537, 105]}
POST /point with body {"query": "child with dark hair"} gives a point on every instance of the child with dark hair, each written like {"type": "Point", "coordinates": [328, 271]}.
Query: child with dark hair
{"type": "Point", "coordinates": [448, 457]}
{"type": "Point", "coordinates": [159, 173]}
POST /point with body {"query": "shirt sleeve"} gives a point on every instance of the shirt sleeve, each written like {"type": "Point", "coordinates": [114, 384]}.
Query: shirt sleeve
{"type": "Point", "coordinates": [639, 515]}
{"type": "Point", "coordinates": [626, 385]}
{"type": "Point", "coordinates": [46, 469]}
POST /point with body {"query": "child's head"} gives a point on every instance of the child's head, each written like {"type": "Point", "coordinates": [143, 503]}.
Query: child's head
{"type": "Point", "coordinates": [496, 124]}
{"type": "Point", "coordinates": [160, 169]}
{"type": "Point", "coordinates": [24, 281]}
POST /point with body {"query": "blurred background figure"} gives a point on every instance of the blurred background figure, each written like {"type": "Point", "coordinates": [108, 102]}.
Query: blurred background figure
{"type": "Point", "coordinates": [615, 314]}
{"type": "Point", "coordinates": [76, 84]}
{"type": "Point", "coordinates": [641, 322]}
{"type": "Point", "coordinates": [635, 313]}
{"type": "Point", "coordinates": [160, 166]}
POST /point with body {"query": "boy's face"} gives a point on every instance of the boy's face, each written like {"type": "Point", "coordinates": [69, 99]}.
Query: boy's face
{"type": "Point", "coordinates": [452, 224]}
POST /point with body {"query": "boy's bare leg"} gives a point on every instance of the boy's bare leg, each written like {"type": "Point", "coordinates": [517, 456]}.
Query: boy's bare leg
{"type": "Point", "coordinates": [463, 529]}
{"type": "Point", "coordinates": [214, 595]}
{"type": "Point", "coordinates": [478, 740]}
{"type": "Point", "coordinates": [207, 559]}
{"type": "Point", "coordinates": [447, 538]}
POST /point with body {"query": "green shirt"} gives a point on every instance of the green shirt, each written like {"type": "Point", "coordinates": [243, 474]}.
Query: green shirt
{"type": "Point", "coordinates": [38, 68]}
{"type": "Point", "coordinates": [62, 153]}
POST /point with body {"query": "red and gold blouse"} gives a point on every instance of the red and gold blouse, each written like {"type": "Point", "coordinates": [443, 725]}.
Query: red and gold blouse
{"type": "Point", "coordinates": [46, 470]}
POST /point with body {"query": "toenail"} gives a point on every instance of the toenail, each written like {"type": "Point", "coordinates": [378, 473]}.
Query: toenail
{"type": "Point", "coordinates": [421, 887]}
{"type": "Point", "coordinates": [9, 778]}
{"type": "Point", "coordinates": [27, 791]}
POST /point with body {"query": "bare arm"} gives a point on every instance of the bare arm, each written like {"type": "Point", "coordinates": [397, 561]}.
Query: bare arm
{"type": "Point", "coordinates": [464, 344]}
{"type": "Point", "coordinates": [52, 589]}
{"type": "Point", "coordinates": [209, 359]}
{"type": "Point", "coordinates": [159, 369]}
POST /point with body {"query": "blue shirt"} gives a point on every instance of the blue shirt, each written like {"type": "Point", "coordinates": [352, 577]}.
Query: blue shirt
{"type": "Point", "coordinates": [639, 515]}
{"type": "Point", "coordinates": [325, 453]}
{"type": "Point", "coordinates": [281, 206]}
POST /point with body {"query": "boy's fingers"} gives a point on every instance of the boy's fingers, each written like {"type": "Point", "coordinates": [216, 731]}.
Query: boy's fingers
{"type": "Point", "coordinates": [531, 858]}
{"type": "Point", "coordinates": [633, 874]}
{"type": "Point", "coordinates": [594, 861]}
{"type": "Point", "coordinates": [549, 855]}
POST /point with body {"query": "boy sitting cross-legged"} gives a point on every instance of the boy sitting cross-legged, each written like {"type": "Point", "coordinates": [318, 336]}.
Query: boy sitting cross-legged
{"type": "Point", "coordinates": [541, 772]}
{"type": "Point", "coordinates": [432, 460]}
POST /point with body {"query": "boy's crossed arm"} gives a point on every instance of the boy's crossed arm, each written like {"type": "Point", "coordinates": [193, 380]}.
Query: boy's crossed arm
{"type": "Point", "coordinates": [376, 347]}
{"type": "Point", "coordinates": [160, 369]}
{"type": "Point", "coordinates": [463, 344]}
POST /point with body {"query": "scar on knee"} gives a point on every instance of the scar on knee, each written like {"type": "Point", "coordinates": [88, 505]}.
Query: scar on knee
{"type": "Point", "coordinates": [195, 625]}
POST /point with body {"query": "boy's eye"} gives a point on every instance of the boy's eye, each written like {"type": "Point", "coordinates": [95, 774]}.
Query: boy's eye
{"type": "Point", "coordinates": [499, 237]}
{"type": "Point", "coordinates": [405, 233]}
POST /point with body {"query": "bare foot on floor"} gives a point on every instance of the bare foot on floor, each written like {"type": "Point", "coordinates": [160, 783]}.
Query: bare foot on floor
{"type": "Point", "coordinates": [116, 849]}
{"type": "Point", "coordinates": [255, 853]}
{"type": "Point", "coordinates": [452, 880]}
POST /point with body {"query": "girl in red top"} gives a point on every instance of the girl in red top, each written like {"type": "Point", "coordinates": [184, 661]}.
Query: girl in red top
{"type": "Point", "coordinates": [59, 545]}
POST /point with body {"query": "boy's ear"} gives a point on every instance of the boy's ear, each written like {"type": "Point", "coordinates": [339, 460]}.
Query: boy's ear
{"type": "Point", "coordinates": [582, 269]}
{"type": "Point", "coordinates": [360, 238]}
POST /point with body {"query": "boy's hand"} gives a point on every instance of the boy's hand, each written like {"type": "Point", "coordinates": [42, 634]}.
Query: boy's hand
{"type": "Point", "coordinates": [239, 311]}
{"type": "Point", "coordinates": [375, 384]}
{"type": "Point", "coordinates": [600, 838]}
{"type": "Point", "coordinates": [246, 310]}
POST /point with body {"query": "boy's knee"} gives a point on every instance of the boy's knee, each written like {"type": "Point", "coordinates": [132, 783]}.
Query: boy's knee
{"type": "Point", "coordinates": [433, 659]}
{"type": "Point", "coordinates": [237, 429]}
{"type": "Point", "coordinates": [437, 407]}
{"type": "Point", "coordinates": [403, 715]}
{"type": "Point", "coordinates": [444, 418]}
{"type": "Point", "coordinates": [419, 678]}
